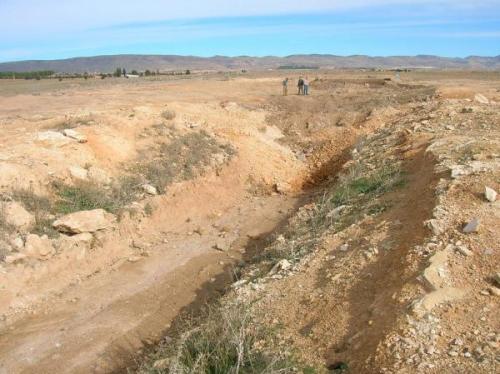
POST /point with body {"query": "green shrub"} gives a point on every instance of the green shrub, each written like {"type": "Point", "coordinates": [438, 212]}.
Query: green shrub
{"type": "Point", "coordinates": [228, 340]}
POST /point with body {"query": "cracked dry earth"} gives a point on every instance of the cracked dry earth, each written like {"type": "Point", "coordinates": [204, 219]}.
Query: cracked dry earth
{"type": "Point", "coordinates": [392, 289]}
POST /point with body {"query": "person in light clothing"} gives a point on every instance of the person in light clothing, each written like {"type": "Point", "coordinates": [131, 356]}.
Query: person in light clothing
{"type": "Point", "coordinates": [306, 86]}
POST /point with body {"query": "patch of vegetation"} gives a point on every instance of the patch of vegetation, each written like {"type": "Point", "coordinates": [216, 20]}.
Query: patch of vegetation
{"type": "Point", "coordinates": [5, 227]}
{"type": "Point", "coordinates": [182, 159]}
{"type": "Point", "coordinates": [168, 115]}
{"type": "Point", "coordinates": [353, 194]}
{"type": "Point", "coordinates": [26, 74]}
{"type": "Point", "coordinates": [41, 207]}
{"type": "Point", "coordinates": [89, 195]}
{"type": "Point", "coordinates": [72, 123]}
{"type": "Point", "coordinates": [148, 209]}
{"type": "Point", "coordinates": [225, 340]}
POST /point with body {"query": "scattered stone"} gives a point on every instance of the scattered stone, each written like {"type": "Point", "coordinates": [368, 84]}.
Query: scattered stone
{"type": "Point", "coordinates": [462, 249]}
{"type": "Point", "coordinates": [37, 247]}
{"type": "Point", "coordinates": [458, 171]}
{"type": "Point", "coordinates": [335, 213]}
{"type": "Point", "coordinates": [161, 364]}
{"type": "Point", "coordinates": [17, 243]}
{"type": "Point", "coordinates": [434, 226]}
{"type": "Point", "coordinates": [15, 258]}
{"type": "Point", "coordinates": [84, 221]}
{"type": "Point", "coordinates": [73, 134]}
{"type": "Point", "coordinates": [282, 188]}
{"type": "Point", "coordinates": [433, 274]}
{"type": "Point", "coordinates": [78, 173]}
{"type": "Point", "coordinates": [496, 279]}
{"type": "Point", "coordinates": [432, 299]}
{"type": "Point", "coordinates": [481, 99]}
{"type": "Point", "coordinates": [283, 264]}
{"type": "Point", "coordinates": [457, 341]}
{"type": "Point", "coordinates": [472, 226]}
{"type": "Point", "coordinates": [490, 194]}
{"type": "Point", "coordinates": [52, 136]}
{"type": "Point", "coordinates": [494, 291]}
{"type": "Point", "coordinates": [134, 258]}
{"type": "Point", "coordinates": [149, 189]}
{"type": "Point", "coordinates": [344, 247]}
{"type": "Point", "coordinates": [15, 215]}
{"type": "Point", "coordinates": [222, 246]}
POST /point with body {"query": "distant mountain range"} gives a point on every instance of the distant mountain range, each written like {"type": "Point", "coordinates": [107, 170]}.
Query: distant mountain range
{"type": "Point", "coordinates": [108, 64]}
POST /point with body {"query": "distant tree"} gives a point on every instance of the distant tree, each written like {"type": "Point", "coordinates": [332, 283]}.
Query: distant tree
{"type": "Point", "coordinates": [188, 72]}
{"type": "Point", "coordinates": [124, 72]}
{"type": "Point", "coordinates": [134, 72]}
{"type": "Point", "coordinates": [118, 72]}
{"type": "Point", "coordinates": [147, 73]}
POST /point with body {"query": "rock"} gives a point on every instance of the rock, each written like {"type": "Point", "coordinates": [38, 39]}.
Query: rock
{"type": "Point", "coordinates": [15, 258]}
{"type": "Point", "coordinates": [433, 274]}
{"type": "Point", "coordinates": [161, 364]}
{"type": "Point", "coordinates": [462, 249]}
{"type": "Point", "coordinates": [335, 213]}
{"type": "Point", "coordinates": [149, 189]}
{"type": "Point", "coordinates": [15, 215]}
{"type": "Point", "coordinates": [434, 226]}
{"type": "Point", "coordinates": [481, 99]}
{"type": "Point", "coordinates": [490, 194]}
{"type": "Point", "coordinates": [282, 188]}
{"type": "Point", "coordinates": [283, 264]}
{"type": "Point", "coordinates": [344, 247]}
{"type": "Point", "coordinates": [73, 134]}
{"type": "Point", "coordinates": [17, 243]}
{"type": "Point", "coordinates": [78, 173]}
{"type": "Point", "coordinates": [494, 291]}
{"type": "Point", "coordinates": [472, 226]}
{"type": "Point", "coordinates": [434, 298]}
{"type": "Point", "coordinates": [221, 246]}
{"type": "Point", "coordinates": [98, 175]}
{"type": "Point", "coordinates": [496, 279]}
{"type": "Point", "coordinates": [458, 171]}
{"type": "Point", "coordinates": [134, 258]}
{"type": "Point", "coordinates": [84, 221]}
{"type": "Point", "coordinates": [37, 247]}
{"type": "Point", "coordinates": [74, 242]}
{"type": "Point", "coordinates": [52, 136]}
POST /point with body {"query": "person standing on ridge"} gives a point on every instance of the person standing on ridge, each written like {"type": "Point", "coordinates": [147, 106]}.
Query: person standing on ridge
{"type": "Point", "coordinates": [300, 85]}
{"type": "Point", "coordinates": [285, 87]}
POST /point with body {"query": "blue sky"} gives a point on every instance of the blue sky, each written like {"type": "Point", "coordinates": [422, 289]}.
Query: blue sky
{"type": "Point", "coordinates": [37, 29]}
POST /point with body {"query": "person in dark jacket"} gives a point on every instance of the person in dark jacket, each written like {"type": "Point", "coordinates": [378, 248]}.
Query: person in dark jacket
{"type": "Point", "coordinates": [300, 85]}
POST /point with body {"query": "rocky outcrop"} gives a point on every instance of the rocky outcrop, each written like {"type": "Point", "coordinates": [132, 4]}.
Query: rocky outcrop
{"type": "Point", "coordinates": [37, 247]}
{"type": "Point", "coordinates": [84, 221]}
{"type": "Point", "coordinates": [15, 215]}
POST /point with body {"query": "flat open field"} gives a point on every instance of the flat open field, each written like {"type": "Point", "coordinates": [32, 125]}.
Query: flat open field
{"type": "Point", "coordinates": [186, 184]}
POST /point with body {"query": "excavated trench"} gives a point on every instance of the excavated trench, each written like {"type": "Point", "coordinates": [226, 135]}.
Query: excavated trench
{"type": "Point", "coordinates": [116, 318]}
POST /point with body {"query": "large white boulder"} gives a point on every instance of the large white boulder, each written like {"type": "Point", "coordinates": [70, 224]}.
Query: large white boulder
{"type": "Point", "coordinates": [84, 221]}
{"type": "Point", "coordinates": [14, 214]}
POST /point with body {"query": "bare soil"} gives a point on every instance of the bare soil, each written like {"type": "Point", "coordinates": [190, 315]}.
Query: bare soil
{"type": "Point", "coordinates": [96, 310]}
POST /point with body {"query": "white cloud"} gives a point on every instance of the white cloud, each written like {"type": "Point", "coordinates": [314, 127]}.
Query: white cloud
{"type": "Point", "coordinates": [40, 17]}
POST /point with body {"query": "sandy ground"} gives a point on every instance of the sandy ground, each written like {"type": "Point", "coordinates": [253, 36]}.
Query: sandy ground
{"type": "Point", "coordinates": [74, 314]}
